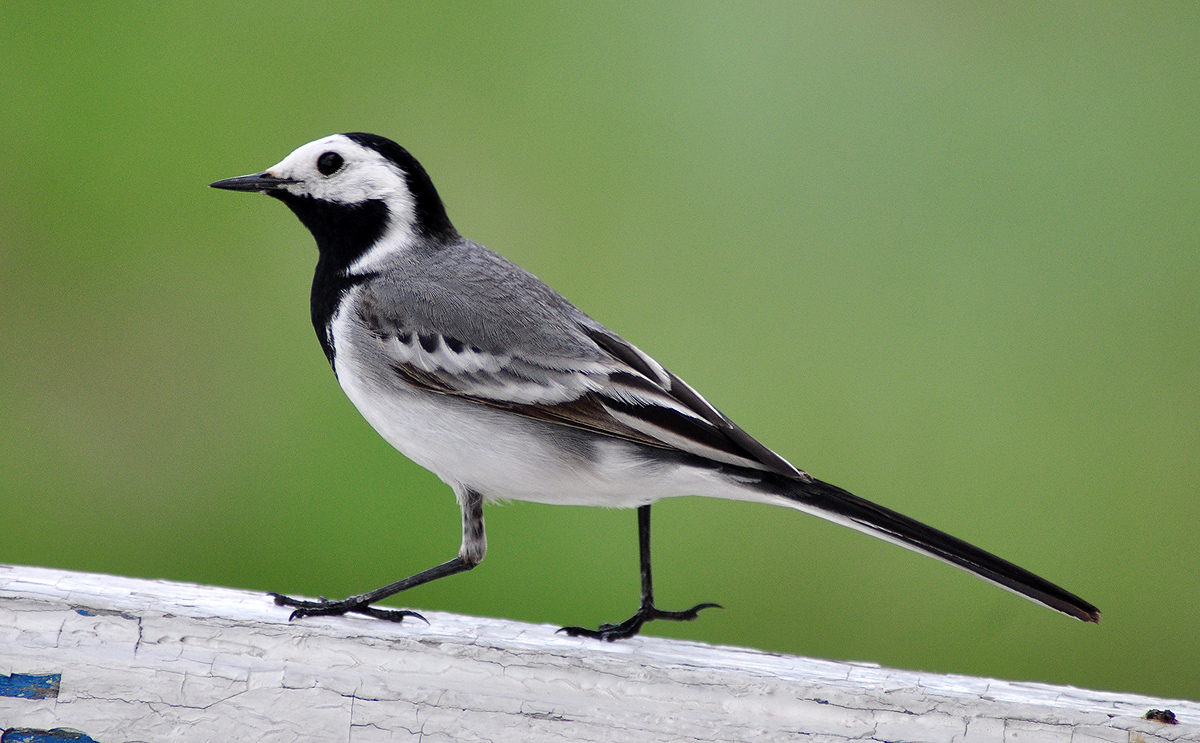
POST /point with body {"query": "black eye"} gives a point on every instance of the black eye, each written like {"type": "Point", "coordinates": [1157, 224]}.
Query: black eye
{"type": "Point", "coordinates": [329, 163]}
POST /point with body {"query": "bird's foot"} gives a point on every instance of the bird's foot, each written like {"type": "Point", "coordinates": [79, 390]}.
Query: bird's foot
{"type": "Point", "coordinates": [324, 607]}
{"type": "Point", "coordinates": [633, 625]}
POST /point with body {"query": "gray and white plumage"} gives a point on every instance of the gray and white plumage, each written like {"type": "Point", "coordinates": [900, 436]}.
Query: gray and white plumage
{"type": "Point", "coordinates": [478, 371]}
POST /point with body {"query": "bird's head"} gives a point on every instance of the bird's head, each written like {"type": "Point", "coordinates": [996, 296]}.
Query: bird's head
{"type": "Point", "coordinates": [355, 192]}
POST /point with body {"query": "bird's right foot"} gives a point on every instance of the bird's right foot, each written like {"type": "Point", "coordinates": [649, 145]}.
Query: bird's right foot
{"type": "Point", "coordinates": [324, 607]}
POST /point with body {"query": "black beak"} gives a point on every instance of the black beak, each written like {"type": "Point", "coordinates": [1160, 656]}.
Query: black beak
{"type": "Point", "coordinates": [260, 182]}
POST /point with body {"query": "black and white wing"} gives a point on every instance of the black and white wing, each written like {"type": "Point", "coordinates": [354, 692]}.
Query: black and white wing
{"type": "Point", "coordinates": [605, 385]}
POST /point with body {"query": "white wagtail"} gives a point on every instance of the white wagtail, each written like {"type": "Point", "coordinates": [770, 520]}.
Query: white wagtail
{"type": "Point", "coordinates": [478, 371]}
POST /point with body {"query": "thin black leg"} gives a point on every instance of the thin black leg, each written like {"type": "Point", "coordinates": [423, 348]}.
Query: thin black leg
{"type": "Point", "coordinates": [474, 546]}
{"type": "Point", "coordinates": [646, 611]}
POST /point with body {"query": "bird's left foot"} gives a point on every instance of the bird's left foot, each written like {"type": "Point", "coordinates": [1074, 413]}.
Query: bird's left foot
{"type": "Point", "coordinates": [324, 607]}
{"type": "Point", "coordinates": [633, 625]}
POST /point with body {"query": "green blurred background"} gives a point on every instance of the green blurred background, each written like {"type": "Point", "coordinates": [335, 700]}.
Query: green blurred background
{"type": "Point", "coordinates": [942, 255]}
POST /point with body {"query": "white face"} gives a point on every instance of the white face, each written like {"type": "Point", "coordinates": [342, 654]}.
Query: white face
{"type": "Point", "coordinates": [364, 175]}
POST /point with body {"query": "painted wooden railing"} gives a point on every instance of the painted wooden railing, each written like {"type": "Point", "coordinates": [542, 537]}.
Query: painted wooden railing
{"type": "Point", "coordinates": [88, 657]}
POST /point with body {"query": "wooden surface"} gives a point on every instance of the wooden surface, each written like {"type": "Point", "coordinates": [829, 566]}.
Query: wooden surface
{"type": "Point", "coordinates": [120, 659]}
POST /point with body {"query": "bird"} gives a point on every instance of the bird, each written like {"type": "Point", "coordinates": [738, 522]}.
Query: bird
{"type": "Point", "coordinates": [478, 371]}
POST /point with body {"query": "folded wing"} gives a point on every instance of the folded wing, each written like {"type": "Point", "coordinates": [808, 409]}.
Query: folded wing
{"type": "Point", "coordinates": [613, 389]}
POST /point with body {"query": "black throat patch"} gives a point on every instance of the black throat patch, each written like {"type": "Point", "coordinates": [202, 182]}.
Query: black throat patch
{"type": "Point", "coordinates": [344, 233]}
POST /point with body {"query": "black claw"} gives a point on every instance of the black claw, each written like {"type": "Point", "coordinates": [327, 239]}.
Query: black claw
{"type": "Point", "coordinates": [683, 616]}
{"type": "Point", "coordinates": [391, 615]}
{"type": "Point", "coordinates": [630, 627]}
{"type": "Point", "coordinates": [281, 600]}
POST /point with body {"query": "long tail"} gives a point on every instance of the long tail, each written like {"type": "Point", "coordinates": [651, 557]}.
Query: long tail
{"type": "Point", "coordinates": [834, 504]}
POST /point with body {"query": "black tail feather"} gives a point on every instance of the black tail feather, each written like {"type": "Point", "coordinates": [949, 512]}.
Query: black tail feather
{"type": "Point", "coordinates": [830, 501]}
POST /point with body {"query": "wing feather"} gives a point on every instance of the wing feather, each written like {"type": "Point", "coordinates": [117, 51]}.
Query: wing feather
{"type": "Point", "coordinates": [625, 394]}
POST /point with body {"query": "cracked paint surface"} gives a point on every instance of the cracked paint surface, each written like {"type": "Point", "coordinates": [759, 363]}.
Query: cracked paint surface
{"type": "Point", "coordinates": [156, 661]}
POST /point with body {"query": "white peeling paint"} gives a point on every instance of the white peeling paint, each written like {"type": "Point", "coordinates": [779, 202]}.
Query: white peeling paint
{"type": "Point", "coordinates": [157, 661]}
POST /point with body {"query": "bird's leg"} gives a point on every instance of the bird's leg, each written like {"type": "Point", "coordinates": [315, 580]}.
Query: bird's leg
{"type": "Point", "coordinates": [647, 611]}
{"type": "Point", "coordinates": [474, 546]}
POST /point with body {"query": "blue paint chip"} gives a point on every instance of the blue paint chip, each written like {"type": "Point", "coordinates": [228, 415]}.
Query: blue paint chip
{"type": "Point", "coordinates": [85, 613]}
{"type": "Point", "coordinates": [57, 735]}
{"type": "Point", "coordinates": [30, 686]}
